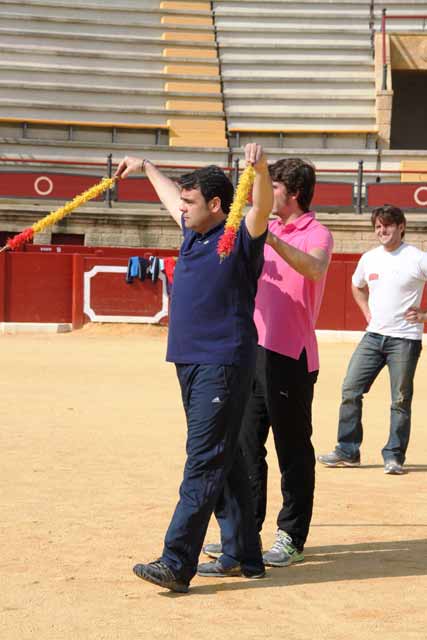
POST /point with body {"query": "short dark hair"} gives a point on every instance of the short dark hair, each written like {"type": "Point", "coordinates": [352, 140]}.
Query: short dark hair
{"type": "Point", "coordinates": [388, 214]}
{"type": "Point", "coordinates": [212, 183]}
{"type": "Point", "coordinates": [298, 176]}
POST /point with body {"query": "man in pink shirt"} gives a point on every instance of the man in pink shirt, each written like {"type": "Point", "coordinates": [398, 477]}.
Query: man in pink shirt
{"type": "Point", "coordinates": [297, 255]}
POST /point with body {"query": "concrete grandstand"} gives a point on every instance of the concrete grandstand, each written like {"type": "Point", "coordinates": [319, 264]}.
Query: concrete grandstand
{"type": "Point", "coordinates": [189, 83]}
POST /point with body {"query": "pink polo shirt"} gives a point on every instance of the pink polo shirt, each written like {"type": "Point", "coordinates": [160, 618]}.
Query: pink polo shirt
{"type": "Point", "coordinates": [287, 304]}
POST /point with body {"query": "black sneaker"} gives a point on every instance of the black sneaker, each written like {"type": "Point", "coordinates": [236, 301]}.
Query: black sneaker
{"type": "Point", "coordinates": [216, 570]}
{"type": "Point", "coordinates": [159, 573]}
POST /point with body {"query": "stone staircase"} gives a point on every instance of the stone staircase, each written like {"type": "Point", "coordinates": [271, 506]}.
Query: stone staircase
{"type": "Point", "coordinates": [81, 80]}
{"type": "Point", "coordinates": [300, 69]}
{"type": "Point", "coordinates": [89, 78]}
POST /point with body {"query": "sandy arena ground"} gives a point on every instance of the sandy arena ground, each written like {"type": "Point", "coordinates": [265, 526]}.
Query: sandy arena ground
{"type": "Point", "coordinates": [92, 449]}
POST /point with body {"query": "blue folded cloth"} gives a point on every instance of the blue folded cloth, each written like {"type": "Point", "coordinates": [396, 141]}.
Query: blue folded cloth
{"type": "Point", "coordinates": [137, 268]}
{"type": "Point", "coordinates": [142, 268]}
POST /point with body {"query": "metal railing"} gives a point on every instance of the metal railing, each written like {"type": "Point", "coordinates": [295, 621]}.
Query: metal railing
{"type": "Point", "coordinates": [372, 26]}
{"type": "Point", "coordinates": [357, 175]}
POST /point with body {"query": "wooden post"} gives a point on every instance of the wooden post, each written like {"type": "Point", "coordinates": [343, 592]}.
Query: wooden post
{"type": "Point", "coordinates": [77, 315]}
{"type": "Point", "coordinates": [3, 284]}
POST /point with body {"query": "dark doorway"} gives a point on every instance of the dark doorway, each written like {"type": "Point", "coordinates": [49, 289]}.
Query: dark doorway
{"type": "Point", "coordinates": [408, 120]}
{"type": "Point", "coordinates": [68, 238]}
{"type": "Point", "coordinates": [5, 235]}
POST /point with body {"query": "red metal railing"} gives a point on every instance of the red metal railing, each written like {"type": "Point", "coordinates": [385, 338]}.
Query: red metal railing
{"type": "Point", "coordinates": [65, 163]}
{"type": "Point", "coordinates": [83, 163]}
{"type": "Point", "coordinates": [333, 196]}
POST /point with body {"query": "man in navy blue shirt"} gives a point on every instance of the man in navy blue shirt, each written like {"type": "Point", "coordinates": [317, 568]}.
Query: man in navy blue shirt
{"type": "Point", "coordinates": [212, 341]}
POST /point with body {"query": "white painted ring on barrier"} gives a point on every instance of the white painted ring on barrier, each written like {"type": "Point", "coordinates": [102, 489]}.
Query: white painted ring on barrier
{"type": "Point", "coordinates": [421, 203]}
{"type": "Point", "coordinates": [94, 317]}
{"type": "Point", "coordinates": [40, 191]}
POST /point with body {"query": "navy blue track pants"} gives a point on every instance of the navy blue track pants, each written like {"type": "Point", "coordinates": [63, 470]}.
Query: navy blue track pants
{"type": "Point", "coordinates": [214, 398]}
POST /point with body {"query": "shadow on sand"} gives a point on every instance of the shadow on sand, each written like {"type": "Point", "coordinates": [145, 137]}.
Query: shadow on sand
{"type": "Point", "coordinates": [363, 561]}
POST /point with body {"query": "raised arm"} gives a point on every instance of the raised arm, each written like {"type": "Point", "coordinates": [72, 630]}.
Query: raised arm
{"type": "Point", "coordinates": [167, 190]}
{"type": "Point", "coordinates": [312, 265]}
{"type": "Point", "coordinates": [361, 297]}
{"type": "Point", "coordinates": [262, 194]}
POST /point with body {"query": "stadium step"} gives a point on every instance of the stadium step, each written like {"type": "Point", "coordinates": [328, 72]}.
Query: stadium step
{"type": "Point", "coordinates": [90, 59]}
{"type": "Point", "coordinates": [339, 6]}
{"type": "Point", "coordinates": [306, 104]}
{"type": "Point", "coordinates": [98, 151]}
{"type": "Point", "coordinates": [153, 79]}
{"type": "Point", "coordinates": [150, 5]}
{"type": "Point", "coordinates": [95, 41]}
{"type": "Point", "coordinates": [295, 45]}
{"type": "Point", "coordinates": [324, 159]}
{"type": "Point", "coordinates": [299, 121]}
{"type": "Point", "coordinates": [46, 109]}
{"type": "Point", "coordinates": [234, 15]}
{"type": "Point", "coordinates": [320, 57]}
{"type": "Point", "coordinates": [119, 12]}
{"type": "Point", "coordinates": [76, 74]}
{"type": "Point", "coordinates": [100, 94]}
{"type": "Point", "coordinates": [91, 26]}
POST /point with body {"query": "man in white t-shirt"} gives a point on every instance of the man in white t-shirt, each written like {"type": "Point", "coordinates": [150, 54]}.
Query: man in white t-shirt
{"type": "Point", "coordinates": [387, 285]}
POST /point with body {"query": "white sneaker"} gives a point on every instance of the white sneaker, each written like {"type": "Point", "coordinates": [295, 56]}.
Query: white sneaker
{"type": "Point", "coordinates": [393, 468]}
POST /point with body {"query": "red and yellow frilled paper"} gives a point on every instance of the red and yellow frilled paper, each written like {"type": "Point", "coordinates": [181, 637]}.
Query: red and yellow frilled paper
{"type": "Point", "coordinates": [235, 216]}
{"type": "Point", "coordinates": [225, 243]}
{"type": "Point", "coordinates": [58, 214]}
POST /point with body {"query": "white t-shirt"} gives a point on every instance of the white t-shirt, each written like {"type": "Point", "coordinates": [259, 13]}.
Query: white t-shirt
{"type": "Point", "coordinates": [396, 281]}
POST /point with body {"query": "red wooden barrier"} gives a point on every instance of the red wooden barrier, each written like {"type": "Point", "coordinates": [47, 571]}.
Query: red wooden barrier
{"type": "Point", "coordinates": [77, 299]}
{"type": "Point", "coordinates": [328, 195]}
{"type": "Point", "coordinates": [48, 185]}
{"type": "Point", "coordinates": [407, 195]}
{"type": "Point", "coordinates": [3, 285]}
{"type": "Point", "coordinates": [89, 284]}
{"type": "Point", "coordinates": [49, 286]}
{"type": "Point", "coordinates": [135, 190]}
{"type": "Point", "coordinates": [107, 297]}
{"type": "Point", "coordinates": [115, 252]}
{"type": "Point", "coordinates": [64, 186]}
{"type": "Point", "coordinates": [333, 195]}
{"type": "Point", "coordinates": [38, 288]}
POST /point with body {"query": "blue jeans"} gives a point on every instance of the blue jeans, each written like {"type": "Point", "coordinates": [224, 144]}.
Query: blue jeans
{"type": "Point", "coordinates": [373, 353]}
{"type": "Point", "coordinates": [214, 398]}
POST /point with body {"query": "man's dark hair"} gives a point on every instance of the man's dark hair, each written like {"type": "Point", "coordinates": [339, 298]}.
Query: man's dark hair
{"type": "Point", "coordinates": [298, 176]}
{"type": "Point", "coordinates": [212, 183]}
{"type": "Point", "coordinates": [388, 214]}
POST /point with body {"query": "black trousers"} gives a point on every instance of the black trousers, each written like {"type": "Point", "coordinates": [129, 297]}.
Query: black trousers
{"type": "Point", "coordinates": [282, 396]}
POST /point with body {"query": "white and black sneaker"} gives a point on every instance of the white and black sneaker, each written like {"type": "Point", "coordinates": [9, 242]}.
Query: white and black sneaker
{"type": "Point", "coordinates": [160, 574]}
{"type": "Point", "coordinates": [338, 459]}
{"type": "Point", "coordinates": [283, 552]}
{"type": "Point", "coordinates": [216, 570]}
{"type": "Point", "coordinates": [393, 468]}
{"type": "Point", "coordinates": [213, 550]}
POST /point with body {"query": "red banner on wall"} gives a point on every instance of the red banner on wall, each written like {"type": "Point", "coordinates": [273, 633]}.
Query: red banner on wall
{"type": "Point", "coordinates": [46, 185]}
{"type": "Point", "coordinates": [333, 194]}
{"type": "Point", "coordinates": [408, 195]}
{"type": "Point", "coordinates": [135, 190]}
